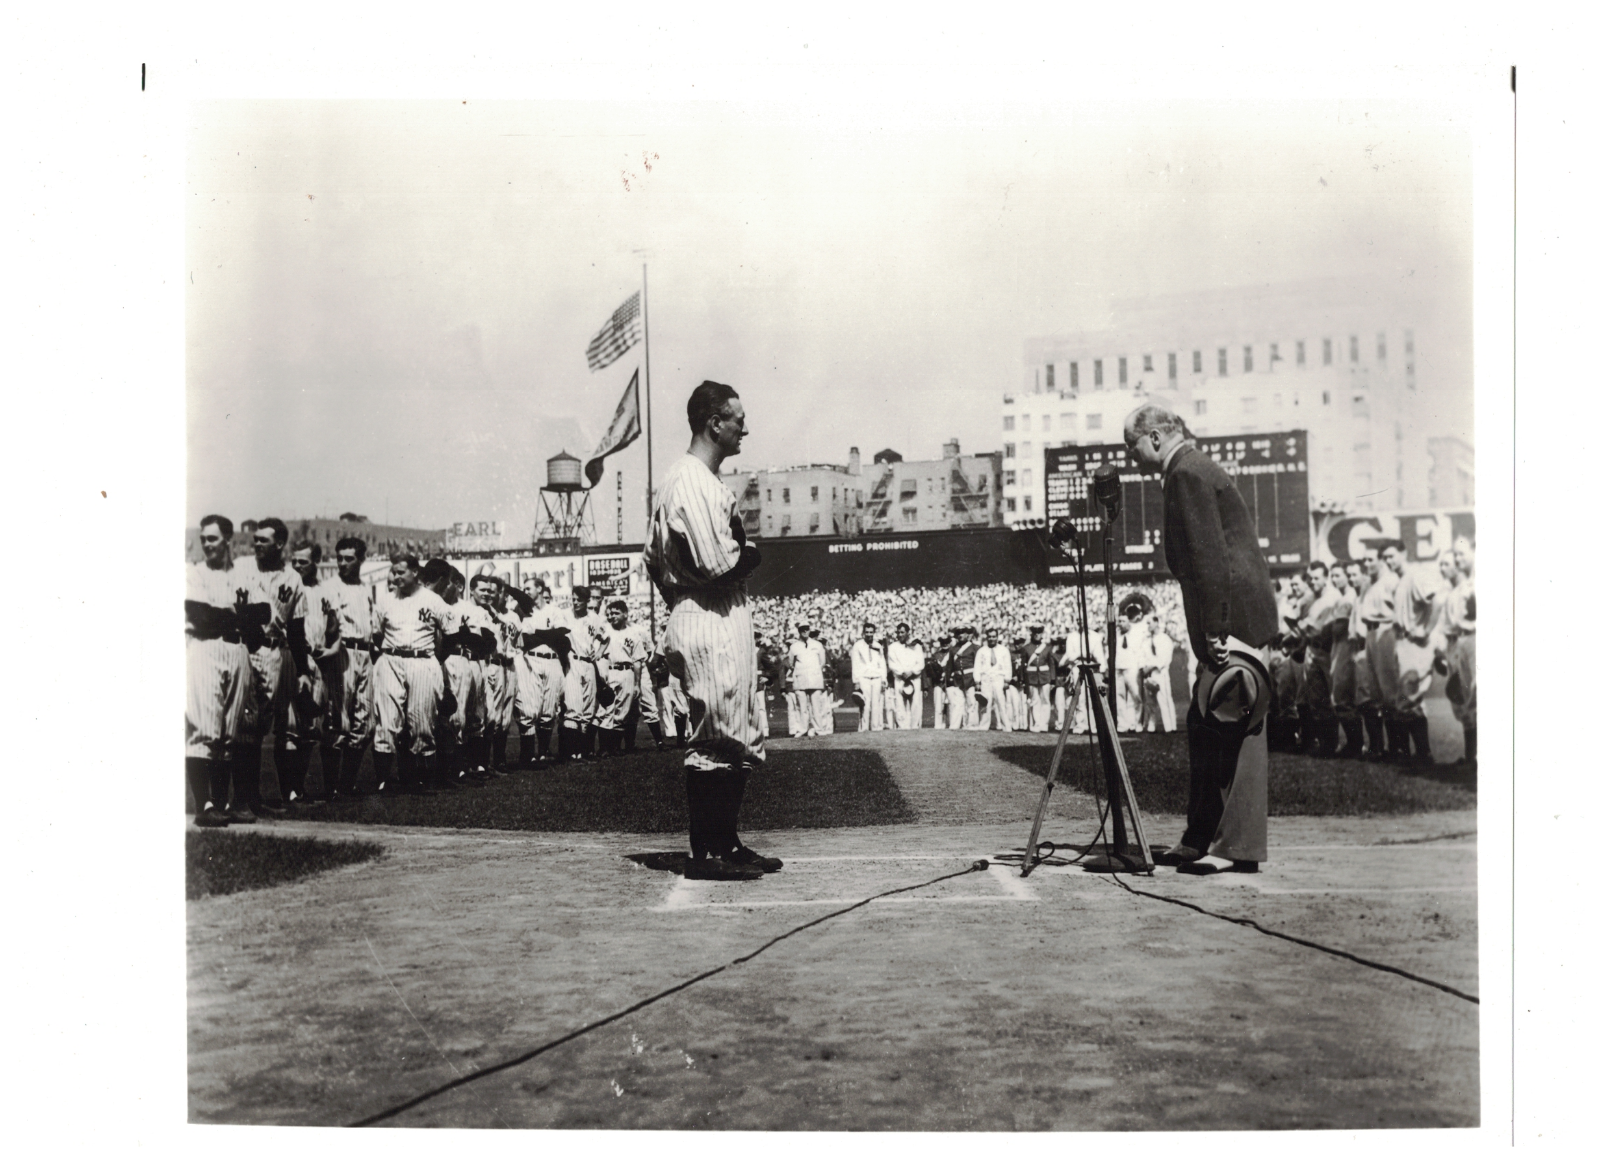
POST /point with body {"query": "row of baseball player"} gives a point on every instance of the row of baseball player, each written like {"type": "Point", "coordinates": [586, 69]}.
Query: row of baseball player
{"type": "Point", "coordinates": [1363, 645]}
{"type": "Point", "coordinates": [429, 671]}
{"type": "Point", "coordinates": [1020, 686]}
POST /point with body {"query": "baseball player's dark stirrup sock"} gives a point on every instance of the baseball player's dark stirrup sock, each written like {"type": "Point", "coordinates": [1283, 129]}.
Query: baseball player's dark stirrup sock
{"type": "Point", "coordinates": [702, 814]}
{"type": "Point", "coordinates": [349, 770]}
{"type": "Point", "coordinates": [383, 762]}
{"type": "Point", "coordinates": [1419, 739]}
{"type": "Point", "coordinates": [247, 775]}
{"type": "Point", "coordinates": [219, 771]}
{"type": "Point", "coordinates": [330, 769]}
{"type": "Point", "coordinates": [198, 772]}
{"type": "Point", "coordinates": [1469, 737]}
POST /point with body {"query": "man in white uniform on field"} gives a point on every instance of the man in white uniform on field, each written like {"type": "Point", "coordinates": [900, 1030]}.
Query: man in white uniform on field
{"type": "Point", "coordinates": [408, 684]}
{"type": "Point", "coordinates": [541, 673]}
{"type": "Point", "coordinates": [868, 673]}
{"type": "Point", "coordinates": [808, 662]}
{"type": "Point", "coordinates": [624, 652]}
{"type": "Point", "coordinates": [313, 722]}
{"type": "Point", "coordinates": [992, 671]}
{"type": "Point", "coordinates": [586, 670]}
{"type": "Point", "coordinates": [698, 558]}
{"type": "Point", "coordinates": [350, 681]}
{"type": "Point", "coordinates": [907, 661]}
{"type": "Point", "coordinates": [218, 665]}
{"type": "Point", "coordinates": [279, 665]}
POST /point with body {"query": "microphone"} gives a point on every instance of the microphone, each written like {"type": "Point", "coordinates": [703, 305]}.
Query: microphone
{"type": "Point", "coordinates": [1063, 532]}
{"type": "Point", "coordinates": [1108, 490]}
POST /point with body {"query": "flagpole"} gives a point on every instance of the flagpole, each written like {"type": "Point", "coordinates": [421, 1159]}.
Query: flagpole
{"type": "Point", "coordinates": [649, 444]}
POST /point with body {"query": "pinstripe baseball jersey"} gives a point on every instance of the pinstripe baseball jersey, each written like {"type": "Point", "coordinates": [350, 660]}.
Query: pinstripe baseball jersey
{"type": "Point", "coordinates": [213, 587]}
{"type": "Point", "coordinates": [354, 606]}
{"type": "Point", "coordinates": [547, 617]}
{"type": "Point", "coordinates": [411, 623]}
{"type": "Point", "coordinates": [623, 648]}
{"type": "Point", "coordinates": [321, 614]}
{"type": "Point", "coordinates": [268, 586]}
{"type": "Point", "coordinates": [691, 531]}
{"type": "Point", "coordinates": [590, 636]}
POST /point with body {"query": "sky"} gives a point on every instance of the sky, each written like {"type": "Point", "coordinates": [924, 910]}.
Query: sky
{"type": "Point", "coordinates": [389, 301]}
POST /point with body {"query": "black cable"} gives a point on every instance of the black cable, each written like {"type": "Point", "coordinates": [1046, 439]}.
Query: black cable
{"type": "Point", "coordinates": [977, 866]}
{"type": "Point", "coordinates": [1260, 928]}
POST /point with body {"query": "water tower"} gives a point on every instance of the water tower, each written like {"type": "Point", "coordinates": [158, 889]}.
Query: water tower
{"type": "Point", "coordinates": [564, 522]}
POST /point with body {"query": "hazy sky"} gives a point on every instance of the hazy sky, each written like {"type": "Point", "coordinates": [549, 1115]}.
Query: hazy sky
{"type": "Point", "coordinates": [389, 301]}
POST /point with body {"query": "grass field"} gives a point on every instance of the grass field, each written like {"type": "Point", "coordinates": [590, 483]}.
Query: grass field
{"type": "Point", "coordinates": [218, 862]}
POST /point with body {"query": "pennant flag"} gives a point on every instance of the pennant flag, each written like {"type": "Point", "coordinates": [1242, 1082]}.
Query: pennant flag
{"type": "Point", "coordinates": [624, 431]}
{"type": "Point", "coordinates": [620, 333]}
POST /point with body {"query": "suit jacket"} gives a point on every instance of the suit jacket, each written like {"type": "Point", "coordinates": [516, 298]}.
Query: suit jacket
{"type": "Point", "coordinates": [1212, 550]}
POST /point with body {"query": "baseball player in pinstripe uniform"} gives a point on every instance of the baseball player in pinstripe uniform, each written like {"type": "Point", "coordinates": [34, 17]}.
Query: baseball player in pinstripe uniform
{"type": "Point", "coordinates": [280, 669]}
{"type": "Point", "coordinates": [541, 668]}
{"type": "Point", "coordinates": [499, 680]}
{"type": "Point", "coordinates": [313, 724]}
{"type": "Point", "coordinates": [580, 695]}
{"type": "Point", "coordinates": [650, 704]}
{"type": "Point", "coordinates": [624, 669]}
{"type": "Point", "coordinates": [468, 636]}
{"type": "Point", "coordinates": [697, 556]}
{"type": "Point", "coordinates": [408, 684]}
{"type": "Point", "coordinates": [218, 664]}
{"type": "Point", "coordinates": [350, 681]}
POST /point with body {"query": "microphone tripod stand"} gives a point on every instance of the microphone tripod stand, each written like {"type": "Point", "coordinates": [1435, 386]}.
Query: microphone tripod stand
{"type": "Point", "coordinates": [1102, 728]}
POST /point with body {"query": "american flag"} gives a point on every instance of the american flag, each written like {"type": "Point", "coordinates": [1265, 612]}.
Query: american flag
{"type": "Point", "coordinates": [620, 332]}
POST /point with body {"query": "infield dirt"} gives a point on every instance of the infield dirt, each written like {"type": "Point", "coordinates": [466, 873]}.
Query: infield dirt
{"type": "Point", "coordinates": [986, 1002]}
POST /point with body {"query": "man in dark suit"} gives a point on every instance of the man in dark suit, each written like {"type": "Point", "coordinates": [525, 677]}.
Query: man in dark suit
{"type": "Point", "coordinates": [1228, 602]}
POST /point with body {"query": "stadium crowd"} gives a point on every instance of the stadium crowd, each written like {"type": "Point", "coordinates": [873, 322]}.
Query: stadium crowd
{"type": "Point", "coordinates": [434, 670]}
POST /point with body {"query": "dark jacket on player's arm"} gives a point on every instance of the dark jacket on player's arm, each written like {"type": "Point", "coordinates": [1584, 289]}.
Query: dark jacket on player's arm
{"type": "Point", "coordinates": [1212, 550]}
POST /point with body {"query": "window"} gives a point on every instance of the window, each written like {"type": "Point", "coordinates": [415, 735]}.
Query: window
{"type": "Point", "coordinates": [1172, 365]}
{"type": "Point", "coordinates": [1272, 355]}
{"type": "Point", "coordinates": [835, 492]}
{"type": "Point", "coordinates": [1094, 420]}
{"type": "Point", "coordinates": [813, 492]}
{"type": "Point", "coordinates": [1383, 347]}
{"type": "Point", "coordinates": [1011, 504]}
{"type": "Point", "coordinates": [1247, 405]}
{"type": "Point", "coordinates": [1249, 360]}
{"type": "Point", "coordinates": [785, 496]}
{"type": "Point", "coordinates": [1027, 423]}
{"type": "Point", "coordinates": [1072, 373]}
{"type": "Point", "coordinates": [1027, 449]}
{"type": "Point", "coordinates": [1011, 451]}
{"type": "Point", "coordinates": [1027, 504]}
{"type": "Point", "coordinates": [1327, 398]}
{"type": "Point", "coordinates": [1011, 476]}
{"type": "Point", "coordinates": [1410, 347]}
{"type": "Point", "coordinates": [1122, 370]}
{"type": "Point", "coordinates": [1197, 363]}
{"type": "Point", "coordinates": [1359, 407]}
{"type": "Point", "coordinates": [769, 496]}
{"type": "Point", "coordinates": [1044, 423]}
{"type": "Point", "coordinates": [1327, 352]}
{"type": "Point", "coordinates": [1009, 424]}
{"type": "Point", "coordinates": [784, 532]}
{"type": "Point", "coordinates": [1149, 363]}
{"type": "Point", "coordinates": [1027, 478]}
{"type": "Point", "coordinates": [1199, 407]}
{"type": "Point", "coordinates": [909, 515]}
{"type": "Point", "coordinates": [816, 522]}
{"type": "Point", "coordinates": [1299, 353]}
{"type": "Point", "coordinates": [1355, 350]}
{"type": "Point", "coordinates": [1049, 375]}
{"type": "Point", "coordinates": [1099, 375]}
{"type": "Point", "coordinates": [1069, 421]}
{"type": "Point", "coordinates": [908, 487]}
{"type": "Point", "coordinates": [983, 484]}
{"type": "Point", "coordinates": [1222, 361]}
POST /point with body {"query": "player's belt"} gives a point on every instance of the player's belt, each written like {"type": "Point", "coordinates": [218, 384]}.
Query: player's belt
{"type": "Point", "coordinates": [407, 652]}
{"type": "Point", "coordinates": [274, 640]}
{"type": "Point", "coordinates": [500, 659]}
{"type": "Point", "coordinates": [1376, 623]}
{"type": "Point", "coordinates": [359, 643]}
{"type": "Point", "coordinates": [545, 652]}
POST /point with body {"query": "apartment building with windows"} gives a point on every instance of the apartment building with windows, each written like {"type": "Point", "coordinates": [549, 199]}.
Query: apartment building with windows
{"type": "Point", "coordinates": [1316, 355]}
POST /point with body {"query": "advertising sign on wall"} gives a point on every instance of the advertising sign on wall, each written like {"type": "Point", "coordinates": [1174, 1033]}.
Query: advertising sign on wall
{"type": "Point", "coordinates": [1426, 535]}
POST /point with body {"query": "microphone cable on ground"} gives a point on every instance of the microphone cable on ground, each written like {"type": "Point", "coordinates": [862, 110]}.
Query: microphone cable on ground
{"type": "Point", "coordinates": [1260, 928]}
{"type": "Point", "coordinates": [495, 1068]}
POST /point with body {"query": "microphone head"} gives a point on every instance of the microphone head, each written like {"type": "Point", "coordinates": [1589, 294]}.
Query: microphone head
{"type": "Point", "coordinates": [1063, 532]}
{"type": "Point", "coordinates": [1108, 488]}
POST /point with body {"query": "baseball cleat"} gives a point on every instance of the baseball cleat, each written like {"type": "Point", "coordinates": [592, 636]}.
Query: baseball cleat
{"type": "Point", "coordinates": [713, 868]}
{"type": "Point", "coordinates": [749, 858]}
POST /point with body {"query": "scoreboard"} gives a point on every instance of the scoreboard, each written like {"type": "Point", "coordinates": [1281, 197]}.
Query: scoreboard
{"type": "Point", "coordinates": [1268, 467]}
